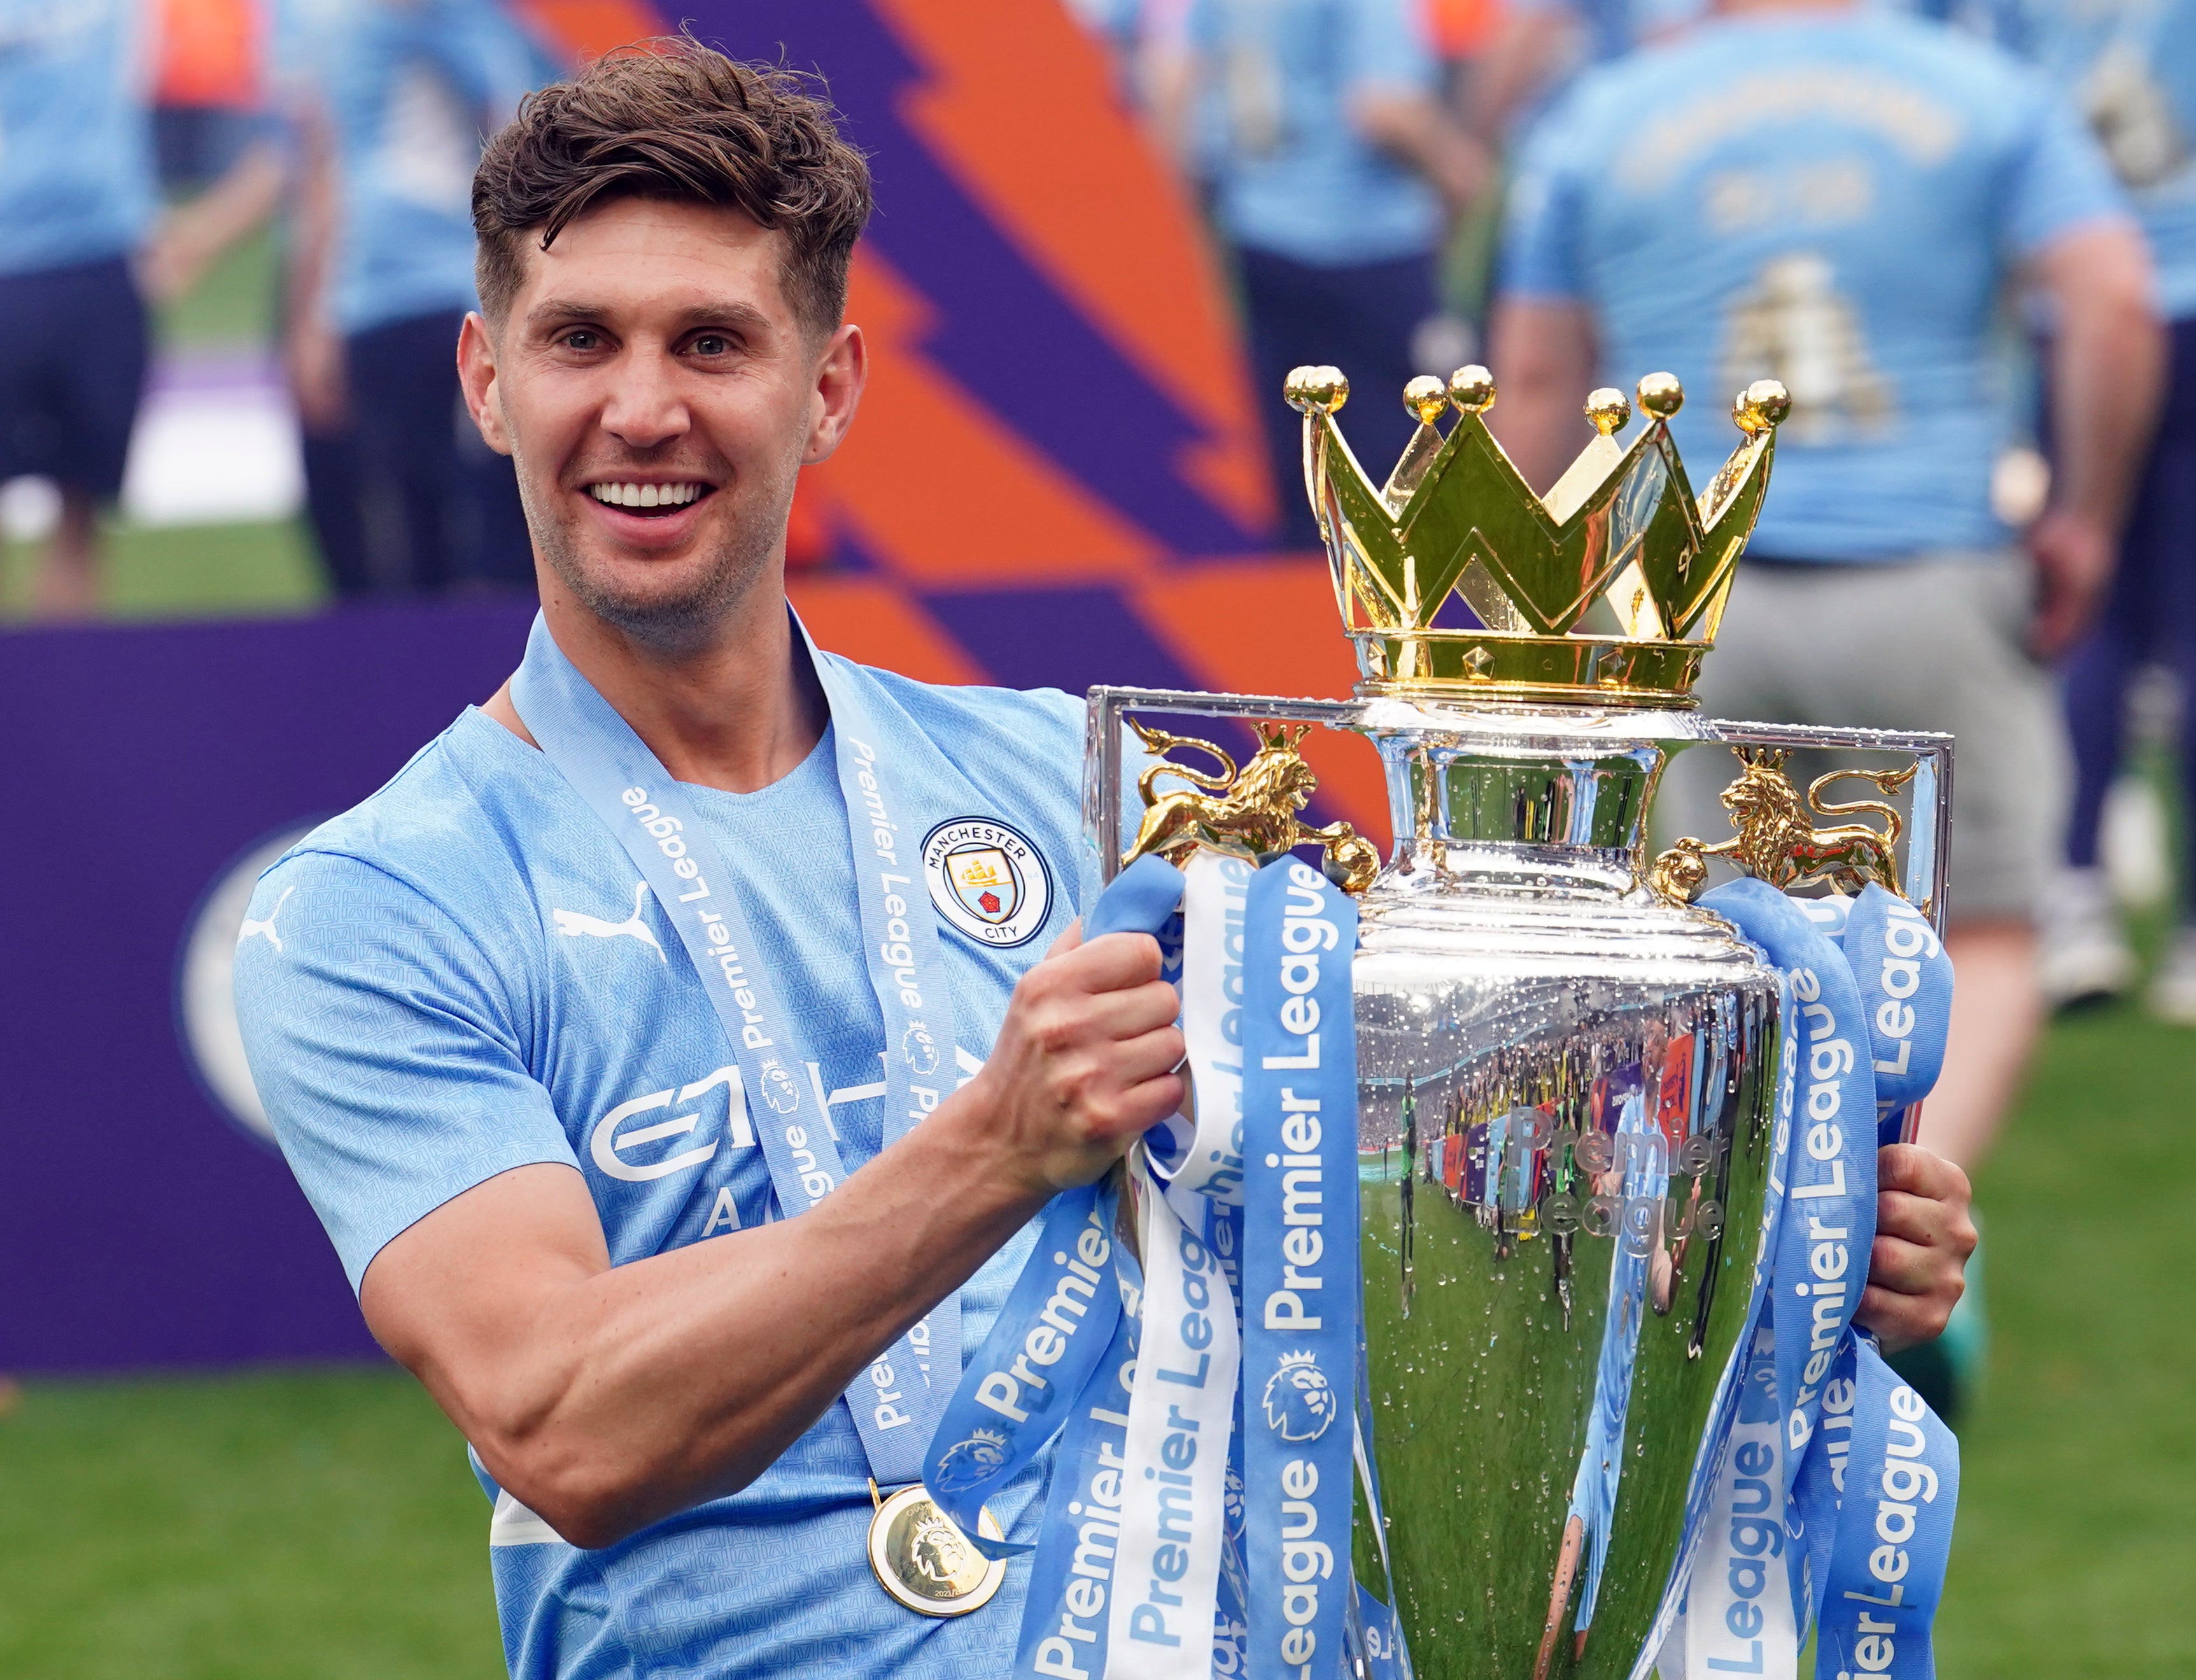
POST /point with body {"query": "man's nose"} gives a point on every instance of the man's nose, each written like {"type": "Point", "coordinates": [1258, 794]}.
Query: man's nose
{"type": "Point", "coordinates": [645, 407]}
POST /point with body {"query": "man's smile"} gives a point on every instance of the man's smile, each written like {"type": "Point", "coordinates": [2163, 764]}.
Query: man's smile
{"type": "Point", "coordinates": [649, 498]}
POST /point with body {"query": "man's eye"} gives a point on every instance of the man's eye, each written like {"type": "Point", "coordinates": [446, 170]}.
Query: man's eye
{"type": "Point", "coordinates": [582, 339]}
{"type": "Point", "coordinates": [713, 344]}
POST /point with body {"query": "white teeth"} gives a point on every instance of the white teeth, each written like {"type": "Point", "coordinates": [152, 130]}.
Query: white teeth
{"type": "Point", "coordinates": [646, 495]}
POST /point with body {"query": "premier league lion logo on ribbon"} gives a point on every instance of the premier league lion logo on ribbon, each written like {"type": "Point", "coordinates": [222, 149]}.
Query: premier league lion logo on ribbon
{"type": "Point", "coordinates": [1299, 1404]}
{"type": "Point", "coordinates": [970, 1462]}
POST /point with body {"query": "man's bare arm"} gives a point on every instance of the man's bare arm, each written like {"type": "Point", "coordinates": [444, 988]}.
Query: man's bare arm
{"type": "Point", "coordinates": [605, 1398]}
{"type": "Point", "coordinates": [1417, 128]}
{"type": "Point", "coordinates": [2107, 371]}
{"type": "Point", "coordinates": [1543, 353]}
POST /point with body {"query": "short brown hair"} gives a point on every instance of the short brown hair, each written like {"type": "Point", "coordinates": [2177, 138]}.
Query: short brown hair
{"type": "Point", "coordinates": [671, 119]}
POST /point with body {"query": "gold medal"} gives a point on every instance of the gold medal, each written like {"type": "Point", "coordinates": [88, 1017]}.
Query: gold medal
{"type": "Point", "coordinates": [924, 1561]}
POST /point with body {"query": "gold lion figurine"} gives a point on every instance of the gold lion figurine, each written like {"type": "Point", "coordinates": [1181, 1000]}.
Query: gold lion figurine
{"type": "Point", "coordinates": [1778, 842]}
{"type": "Point", "coordinates": [1253, 816]}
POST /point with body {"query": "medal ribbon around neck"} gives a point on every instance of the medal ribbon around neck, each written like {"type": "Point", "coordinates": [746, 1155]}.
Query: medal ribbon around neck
{"type": "Point", "coordinates": [897, 1401]}
{"type": "Point", "coordinates": [1825, 1494]}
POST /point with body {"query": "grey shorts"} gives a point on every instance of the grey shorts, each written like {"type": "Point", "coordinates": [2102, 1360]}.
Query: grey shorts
{"type": "Point", "coordinates": [1931, 643]}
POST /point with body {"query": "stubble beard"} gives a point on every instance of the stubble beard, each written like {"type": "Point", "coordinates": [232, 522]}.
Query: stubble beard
{"type": "Point", "coordinates": [683, 617]}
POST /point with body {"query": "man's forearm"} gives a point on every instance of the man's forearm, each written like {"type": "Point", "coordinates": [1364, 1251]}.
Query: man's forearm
{"type": "Point", "coordinates": [1414, 128]}
{"type": "Point", "coordinates": [1542, 353]}
{"type": "Point", "coordinates": [2107, 365]}
{"type": "Point", "coordinates": [614, 1399]}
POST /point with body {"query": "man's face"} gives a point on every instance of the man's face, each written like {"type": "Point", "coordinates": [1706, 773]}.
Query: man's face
{"type": "Point", "coordinates": [659, 396]}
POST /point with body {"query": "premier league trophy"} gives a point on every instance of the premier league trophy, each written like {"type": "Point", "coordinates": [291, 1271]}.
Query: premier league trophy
{"type": "Point", "coordinates": [1567, 1070]}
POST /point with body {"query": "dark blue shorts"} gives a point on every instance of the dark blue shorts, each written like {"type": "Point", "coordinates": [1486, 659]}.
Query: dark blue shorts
{"type": "Point", "coordinates": [1359, 319]}
{"type": "Point", "coordinates": [72, 369]}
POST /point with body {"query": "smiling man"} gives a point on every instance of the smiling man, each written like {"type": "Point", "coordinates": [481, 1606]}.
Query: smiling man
{"type": "Point", "coordinates": [666, 1048]}
{"type": "Point", "coordinates": [679, 935]}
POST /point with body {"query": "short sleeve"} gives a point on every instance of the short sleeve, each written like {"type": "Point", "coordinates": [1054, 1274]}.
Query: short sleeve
{"type": "Point", "coordinates": [1540, 235]}
{"type": "Point", "coordinates": [383, 1048]}
{"type": "Point", "coordinates": [2060, 180]}
{"type": "Point", "coordinates": [1386, 47]}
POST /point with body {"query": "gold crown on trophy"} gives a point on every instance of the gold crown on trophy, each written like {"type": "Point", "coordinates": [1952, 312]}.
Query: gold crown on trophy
{"type": "Point", "coordinates": [1608, 589]}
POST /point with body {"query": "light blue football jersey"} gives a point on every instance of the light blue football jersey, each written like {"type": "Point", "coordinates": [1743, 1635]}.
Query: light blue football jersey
{"type": "Point", "coordinates": [1290, 173]}
{"type": "Point", "coordinates": [465, 974]}
{"type": "Point", "coordinates": [75, 139]}
{"type": "Point", "coordinates": [410, 90]}
{"type": "Point", "coordinates": [2130, 68]}
{"type": "Point", "coordinates": [1834, 201]}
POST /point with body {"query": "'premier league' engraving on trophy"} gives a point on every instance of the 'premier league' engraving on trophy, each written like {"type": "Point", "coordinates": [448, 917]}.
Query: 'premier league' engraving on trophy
{"type": "Point", "coordinates": [1567, 1072]}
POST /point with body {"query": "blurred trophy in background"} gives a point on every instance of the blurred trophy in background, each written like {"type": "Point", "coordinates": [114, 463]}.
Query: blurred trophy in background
{"type": "Point", "coordinates": [1567, 1069]}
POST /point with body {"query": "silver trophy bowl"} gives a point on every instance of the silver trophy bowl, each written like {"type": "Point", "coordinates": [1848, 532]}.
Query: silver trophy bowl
{"type": "Point", "coordinates": [1566, 1084]}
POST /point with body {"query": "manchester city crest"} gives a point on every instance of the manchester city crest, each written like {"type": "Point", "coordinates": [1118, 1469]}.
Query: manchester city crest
{"type": "Point", "coordinates": [987, 881]}
{"type": "Point", "coordinates": [1299, 1404]}
{"type": "Point", "coordinates": [966, 1462]}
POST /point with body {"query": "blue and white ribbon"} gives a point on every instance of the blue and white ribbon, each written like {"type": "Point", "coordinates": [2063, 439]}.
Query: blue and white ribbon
{"type": "Point", "coordinates": [1301, 1286]}
{"type": "Point", "coordinates": [1778, 1548]}
{"type": "Point", "coordinates": [896, 1404]}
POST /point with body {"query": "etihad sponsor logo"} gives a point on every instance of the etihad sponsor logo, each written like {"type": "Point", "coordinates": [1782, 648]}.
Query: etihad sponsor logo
{"type": "Point", "coordinates": [613, 1143]}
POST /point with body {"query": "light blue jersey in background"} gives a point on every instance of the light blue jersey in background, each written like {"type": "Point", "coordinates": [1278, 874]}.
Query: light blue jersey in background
{"type": "Point", "coordinates": [76, 136]}
{"type": "Point", "coordinates": [1834, 201]}
{"type": "Point", "coordinates": [464, 974]}
{"type": "Point", "coordinates": [1291, 174]}
{"type": "Point", "coordinates": [410, 89]}
{"type": "Point", "coordinates": [2129, 66]}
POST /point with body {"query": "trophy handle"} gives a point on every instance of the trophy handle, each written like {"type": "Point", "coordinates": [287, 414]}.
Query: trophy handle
{"type": "Point", "coordinates": [1776, 837]}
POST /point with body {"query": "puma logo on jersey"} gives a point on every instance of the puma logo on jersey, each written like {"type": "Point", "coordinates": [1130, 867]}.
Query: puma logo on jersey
{"type": "Point", "coordinates": [573, 925]}
{"type": "Point", "coordinates": [248, 929]}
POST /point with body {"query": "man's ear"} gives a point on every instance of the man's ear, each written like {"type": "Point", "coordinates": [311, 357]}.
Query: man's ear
{"type": "Point", "coordinates": [840, 373]}
{"type": "Point", "coordinates": [477, 378]}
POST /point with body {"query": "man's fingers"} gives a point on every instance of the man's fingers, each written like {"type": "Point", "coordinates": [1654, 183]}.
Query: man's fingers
{"type": "Point", "coordinates": [1923, 1220]}
{"type": "Point", "coordinates": [1147, 1103]}
{"type": "Point", "coordinates": [1146, 1057]}
{"type": "Point", "coordinates": [1910, 1167]}
{"type": "Point", "coordinates": [1111, 962]}
{"type": "Point", "coordinates": [1904, 1321]}
{"type": "Point", "coordinates": [1132, 1013]}
{"type": "Point", "coordinates": [1070, 939]}
{"type": "Point", "coordinates": [1909, 1268]}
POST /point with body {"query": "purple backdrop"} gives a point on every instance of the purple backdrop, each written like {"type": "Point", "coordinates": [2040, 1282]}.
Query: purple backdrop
{"type": "Point", "coordinates": [139, 1225]}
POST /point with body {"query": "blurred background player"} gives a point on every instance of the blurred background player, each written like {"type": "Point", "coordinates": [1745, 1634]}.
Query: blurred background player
{"type": "Point", "coordinates": [1837, 198]}
{"type": "Point", "coordinates": [2131, 70]}
{"type": "Point", "coordinates": [1542, 45]}
{"type": "Point", "coordinates": [1333, 167]}
{"type": "Point", "coordinates": [392, 99]}
{"type": "Point", "coordinates": [77, 202]}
